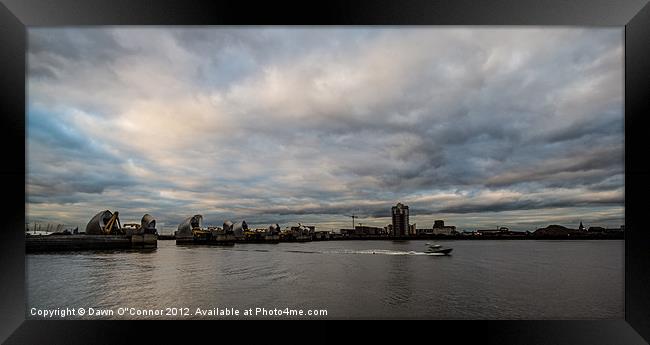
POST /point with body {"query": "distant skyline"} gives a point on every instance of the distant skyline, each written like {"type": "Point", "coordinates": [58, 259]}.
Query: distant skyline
{"type": "Point", "coordinates": [480, 126]}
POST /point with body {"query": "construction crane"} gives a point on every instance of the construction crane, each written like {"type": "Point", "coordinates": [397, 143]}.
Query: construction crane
{"type": "Point", "coordinates": [353, 216]}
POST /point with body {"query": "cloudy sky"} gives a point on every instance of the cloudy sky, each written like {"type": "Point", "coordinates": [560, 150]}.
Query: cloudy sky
{"type": "Point", "coordinates": [479, 126]}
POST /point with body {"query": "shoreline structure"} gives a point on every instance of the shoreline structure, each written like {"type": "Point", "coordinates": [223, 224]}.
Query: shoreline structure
{"type": "Point", "coordinates": [191, 231]}
{"type": "Point", "coordinates": [104, 231]}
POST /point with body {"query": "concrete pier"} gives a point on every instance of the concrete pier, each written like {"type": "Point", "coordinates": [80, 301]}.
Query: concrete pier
{"type": "Point", "coordinates": [88, 242]}
{"type": "Point", "coordinates": [213, 239]}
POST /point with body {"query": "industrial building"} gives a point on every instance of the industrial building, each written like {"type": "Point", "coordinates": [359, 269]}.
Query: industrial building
{"type": "Point", "coordinates": [439, 228]}
{"type": "Point", "coordinates": [364, 230]}
{"type": "Point", "coordinates": [498, 231]}
{"type": "Point", "coordinates": [412, 230]}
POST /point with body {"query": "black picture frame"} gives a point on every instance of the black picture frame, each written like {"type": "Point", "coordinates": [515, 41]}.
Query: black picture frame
{"type": "Point", "coordinates": [15, 15]}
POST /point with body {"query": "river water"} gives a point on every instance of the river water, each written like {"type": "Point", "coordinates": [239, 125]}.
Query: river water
{"type": "Point", "coordinates": [482, 279]}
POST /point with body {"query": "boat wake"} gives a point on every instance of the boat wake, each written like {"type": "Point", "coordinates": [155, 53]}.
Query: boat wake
{"type": "Point", "coordinates": [384, 252]}
{"type": "Point", "coordinates": [346, 251]}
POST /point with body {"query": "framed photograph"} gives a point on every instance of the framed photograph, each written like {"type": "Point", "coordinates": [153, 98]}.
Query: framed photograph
{"type": "Point", "coordinates": [481, 163]}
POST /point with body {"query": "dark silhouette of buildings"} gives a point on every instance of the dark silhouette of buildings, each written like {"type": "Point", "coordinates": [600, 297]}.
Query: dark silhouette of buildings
{"type": "Point", "coordinates": [498, 231]}
{"type": "Point", "coordinates": [439, 228]}
{"type": "Point", "coordinates": [364, 231]}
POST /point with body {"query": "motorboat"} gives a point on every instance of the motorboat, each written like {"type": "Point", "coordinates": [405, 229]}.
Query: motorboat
{"type": "Point", "coordinates": [437, 249]}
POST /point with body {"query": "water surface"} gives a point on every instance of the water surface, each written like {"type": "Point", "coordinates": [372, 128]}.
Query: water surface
{"type": "Point", "coordinates": [524, 279]}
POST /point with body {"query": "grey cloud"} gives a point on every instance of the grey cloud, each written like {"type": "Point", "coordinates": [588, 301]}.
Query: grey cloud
{"type": "Point", "coordinates": [50, 48]}
{"type": "Point", "coordinates": [313, 122]}
{"type": "Point", "coordinates": [530, 205]}
{"type": "Point", "coordinates": [601, 159]}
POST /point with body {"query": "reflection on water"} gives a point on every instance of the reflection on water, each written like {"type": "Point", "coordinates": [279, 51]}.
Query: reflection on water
{"type": "Point", "coordinates": [367, 279]}
{"type": "Point", "coordinates": [399, 277]}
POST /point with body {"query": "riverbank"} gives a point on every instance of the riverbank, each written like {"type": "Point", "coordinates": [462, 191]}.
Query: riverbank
{"type": "Point", "coordinates": [336, 237]}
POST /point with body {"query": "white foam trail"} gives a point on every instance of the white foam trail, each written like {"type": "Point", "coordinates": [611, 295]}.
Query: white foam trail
{"type": "Point", "coordinates": [383, 252]}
